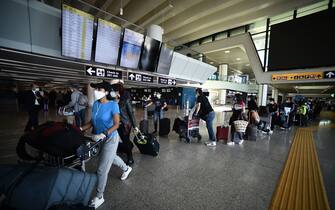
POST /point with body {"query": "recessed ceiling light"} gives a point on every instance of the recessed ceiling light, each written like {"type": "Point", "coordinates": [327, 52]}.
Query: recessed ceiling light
{"type": "Point", "coordinates": [247, 64]}
{"type": "Point", "coordinates": [211, 62]}
{"type": "Point", "coordinates": [238, 59]}
{"type": "Point", "coordinates": [227, 51]}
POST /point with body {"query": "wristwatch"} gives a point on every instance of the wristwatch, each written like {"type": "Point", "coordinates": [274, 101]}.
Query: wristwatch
{"type": "Point", "coordinates": [105, 132]}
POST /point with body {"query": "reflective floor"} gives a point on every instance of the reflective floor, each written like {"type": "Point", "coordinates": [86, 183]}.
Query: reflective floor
{"type": "Point", "coordinates": [192, 176]}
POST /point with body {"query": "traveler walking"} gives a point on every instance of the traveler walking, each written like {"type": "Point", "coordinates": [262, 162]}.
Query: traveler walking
{"type": "Point", "coordinates": [105, 122]}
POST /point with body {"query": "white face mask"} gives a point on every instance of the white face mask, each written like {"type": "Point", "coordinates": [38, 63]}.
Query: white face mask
{"type": "Point", "coordinates": [113, 94]}
{"type": "Point", "coordinates": [99, 94]}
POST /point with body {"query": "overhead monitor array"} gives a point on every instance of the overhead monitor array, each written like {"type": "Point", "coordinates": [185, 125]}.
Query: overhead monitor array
{"type": "Point", "coordinates": [124, 47]}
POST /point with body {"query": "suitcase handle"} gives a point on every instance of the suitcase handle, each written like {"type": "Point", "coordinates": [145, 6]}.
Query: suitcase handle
{"type": "Point", "coordinates": [141, 139]}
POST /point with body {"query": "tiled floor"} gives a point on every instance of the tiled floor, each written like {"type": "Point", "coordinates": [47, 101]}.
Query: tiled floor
{"type": "Point", "coordinates": [186, 176]}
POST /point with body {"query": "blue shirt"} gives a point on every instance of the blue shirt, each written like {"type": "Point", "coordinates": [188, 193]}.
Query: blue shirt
{"type": "Point", "coordinates": [102, 117]}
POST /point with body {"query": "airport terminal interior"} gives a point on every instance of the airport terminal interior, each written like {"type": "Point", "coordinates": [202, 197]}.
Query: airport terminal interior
{"type": "Point", "coordinates": [167, 104]}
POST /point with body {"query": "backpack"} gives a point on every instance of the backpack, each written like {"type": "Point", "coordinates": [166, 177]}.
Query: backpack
{"type": "Point", "coordinates": [83, 100]}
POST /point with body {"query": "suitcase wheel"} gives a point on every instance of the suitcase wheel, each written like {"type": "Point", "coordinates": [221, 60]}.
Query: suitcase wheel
{"type": "Point", "coordinates": [188, 140]}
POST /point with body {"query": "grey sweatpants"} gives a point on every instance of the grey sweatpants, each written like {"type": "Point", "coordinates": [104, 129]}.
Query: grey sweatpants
{"type": "Point", "coordinates": [107, 158]}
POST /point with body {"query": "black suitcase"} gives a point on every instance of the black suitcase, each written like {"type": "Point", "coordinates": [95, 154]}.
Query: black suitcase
{"type": "Point", "coordinates": [164, 127]}
{"type": "Point", "coordinates": [147, 144]}
{"type": "Point", "coordinates": [144, 126]}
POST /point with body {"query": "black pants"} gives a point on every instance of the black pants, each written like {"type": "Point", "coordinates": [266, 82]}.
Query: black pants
{"type": "Point", "coordinates": [33, 119]}
{"type": "Point", "coordinates": [126, 146]}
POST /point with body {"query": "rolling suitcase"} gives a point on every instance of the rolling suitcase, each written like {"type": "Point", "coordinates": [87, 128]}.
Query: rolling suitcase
{"type": "Point", "coordinates": [222, 133]}
{"type": "Point", "coordinates": [144, 124]}
{"type": "Point", "coordinates": [164, 127]}
{"type": "Point", "coordinates": [147, 144]}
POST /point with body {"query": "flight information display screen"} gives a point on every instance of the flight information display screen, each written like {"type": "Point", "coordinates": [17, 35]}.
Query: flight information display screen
{"type": "Point", "coordinates": [150, 53]}
{"type": "Point", "coordinates": [108, 42]}
{"type": "Point", "coordinates": [131, 49]}
{"type": "Point", "coordinates": [164, 61]}
{"type": "Point", "coordinates": [77, 33]}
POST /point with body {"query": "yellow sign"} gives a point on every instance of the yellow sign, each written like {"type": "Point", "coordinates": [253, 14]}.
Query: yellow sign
{"type": "Point", "coordinates": [297, 76]}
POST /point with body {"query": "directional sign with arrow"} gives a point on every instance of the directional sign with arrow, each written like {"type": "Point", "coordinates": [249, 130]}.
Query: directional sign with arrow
{"type": "Point", "coordinates": [166, 81]}
{"type": "Point", "coordinates": [102, 72]}
{"type": "Point", "coordinates": [140, 77]}
{"type": "Point", "coordinates": [90, 71]}
{"type": "Point", "coordinates": [329, 75]}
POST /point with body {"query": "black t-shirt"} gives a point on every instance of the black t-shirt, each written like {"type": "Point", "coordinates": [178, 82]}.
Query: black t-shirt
{"type": "Point", "coordinates": [159, 103]}
{"type": "Point", "coordinates": [205, 107]}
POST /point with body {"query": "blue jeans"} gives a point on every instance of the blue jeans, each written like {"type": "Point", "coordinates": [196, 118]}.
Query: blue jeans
{"type": "Point", "coordinates": [157, 116]}
{"type": "Point", "coordinates": [80, 117]}
{"type": "Point", "coordinates": [209, 123]}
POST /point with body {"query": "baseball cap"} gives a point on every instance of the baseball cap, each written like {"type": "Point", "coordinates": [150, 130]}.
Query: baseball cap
{"type": "Point", "coordinates": [116, 81]}
{"type": "Point", "coordinates": [105, 85]}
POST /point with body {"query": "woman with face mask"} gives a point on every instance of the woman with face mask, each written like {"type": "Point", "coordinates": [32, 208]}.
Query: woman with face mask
{"type": "Point", "coordinates": [127, 121]}
{"type": "Point", "coordinates": [105, 122]}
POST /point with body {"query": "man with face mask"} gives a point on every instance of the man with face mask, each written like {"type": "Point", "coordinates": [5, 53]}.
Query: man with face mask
{"type": "Point", "coordinates": [79, 109]}
{"type": "Point", "coordinates": [127, 119]}
{"type": "Point", "coordinates": [160, 107]}
{"type": "Point", "coordinates": [33, 102]}
{"type": "Point", "coordinates": [105, 122]}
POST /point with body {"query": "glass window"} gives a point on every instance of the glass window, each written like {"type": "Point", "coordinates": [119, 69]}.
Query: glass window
{"type": "Point", "coordinates": [206, 40]}
{"type": "Point", "coordinates": [259, 41]}
{"type": "Point", "coordinates": [237, 31]}
{"type": "Point", "coordinates": [222, 35]}
{"type": "Point", "coordinates": [313, 6]}
{"type": "Point", "coordinates": [281, 18]}
{"type": "Point", "coordinates": [311, 11]}
{"type": "Point", "coordinates": [193, 44]}
{"type": "Point", "coordinates": [261, 56]}
{"type": "Point", "coordinates": [257, 27]}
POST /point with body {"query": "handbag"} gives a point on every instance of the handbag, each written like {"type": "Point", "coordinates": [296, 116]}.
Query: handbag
{"type": "Point", "coordinates": [240, 125]}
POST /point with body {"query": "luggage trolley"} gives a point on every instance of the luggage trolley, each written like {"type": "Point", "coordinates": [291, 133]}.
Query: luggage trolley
{"type": "Point", "coordinates": [193, 128]}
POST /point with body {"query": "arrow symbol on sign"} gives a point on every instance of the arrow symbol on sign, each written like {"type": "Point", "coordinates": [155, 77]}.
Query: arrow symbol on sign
{"type": "Point", "coordinates": [90, 71]}
{"type": "Point", "coordinates": [173, 82]}
{"type": "Point", "coordinates": [131, 76]}
{"type": "Point", "coordinates": [330, 74]}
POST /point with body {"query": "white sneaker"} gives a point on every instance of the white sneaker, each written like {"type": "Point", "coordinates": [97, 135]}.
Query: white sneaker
{"type": "Point", "coordinates": [96, 202]}
{"type": "Point", "coordinates": [241, 142]}
{"type": "Point", "coordinates": [270, 132]}
{"type": "Point", "coordinates": [126, 173]}
{"type": "Point", "coordinates": [231, 143]}
{"type": "Point", "coordinates": [211, 144]}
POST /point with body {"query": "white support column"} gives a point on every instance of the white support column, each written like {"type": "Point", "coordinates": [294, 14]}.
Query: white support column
{"type": "Point", "coordinates": [223, 72]}
{"type": "Point", "coordinates": [155, 32]}
{"type": "Point", "coordinates": [262, 95]}
{"type": "Point", "coordinates": [222, 96]}
{"type": "Point", "coordinates": [275, 94]}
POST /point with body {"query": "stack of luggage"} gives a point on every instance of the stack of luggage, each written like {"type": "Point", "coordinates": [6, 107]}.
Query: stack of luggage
{"type": "Point", "coordinates": [27, 187]}
{"type": "Point", "coordinates": [56, 144]}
